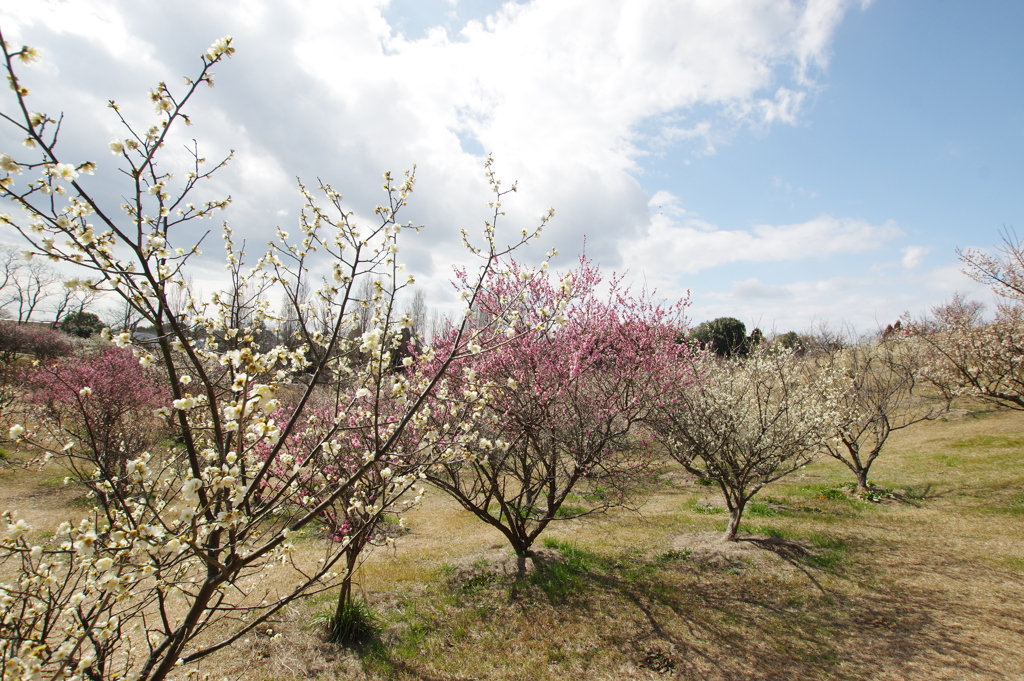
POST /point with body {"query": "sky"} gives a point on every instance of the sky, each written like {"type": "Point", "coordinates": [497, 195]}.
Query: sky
{"type": "Point", "coordinates": [783, 162]}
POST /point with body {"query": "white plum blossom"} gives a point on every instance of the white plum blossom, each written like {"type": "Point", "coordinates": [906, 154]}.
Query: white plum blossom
{"type": "Point", "coordinates": [185, 403]}
{"type": "Point", "coordinates": [63, 171]}
{"type": "Point", "coordinates": [220, 48]}
{"type": "Point", "coordinates": [8, 164]}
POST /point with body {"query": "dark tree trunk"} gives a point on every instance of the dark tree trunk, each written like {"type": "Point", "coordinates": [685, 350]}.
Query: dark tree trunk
{"type": "Point", "coordinates": [345, 595]}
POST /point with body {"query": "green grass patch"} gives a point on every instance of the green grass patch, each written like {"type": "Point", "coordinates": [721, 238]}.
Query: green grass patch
{"type": "Point", "coordinates": [673, 556]}
{"type": "Point", "coordinates": [842, 492]}
{"type": "Point", "coordinates": [832, 551]}
{"type": "Point", "coordinates": [770, 532]}
{"type": "Point", "coordinates": [699, 507]}
{"type": "Point", "coordinates": [832, 493]}
{"type": "Point", "coordinates": [989, 442]}
{"type": "Point", "coordinates": [561, 579]}
{"type": "Point", "coordinates": [597, 493]}
{"type": "Point", "coordinates": [569, 511]}
{"type": "Point", "coordinates": [1012, 507]}
{"type": "Point", "coordinates": [760, 509]}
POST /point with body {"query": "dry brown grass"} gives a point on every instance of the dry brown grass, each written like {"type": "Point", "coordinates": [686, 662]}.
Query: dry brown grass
{"type": "Point", "coordinates": [925, 584]}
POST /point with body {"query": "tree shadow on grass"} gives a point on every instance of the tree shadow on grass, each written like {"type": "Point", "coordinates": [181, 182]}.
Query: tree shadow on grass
{"type": "Point", "coordinates": [762, 628]}
{"type": "Point", "coordinates": [701, 618]}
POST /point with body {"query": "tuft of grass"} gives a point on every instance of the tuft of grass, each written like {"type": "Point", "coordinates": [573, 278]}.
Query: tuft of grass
{"type": "Point", "coordinates": [672, 556]}
{"type": "Point", "coordinates": [696, 506]}
{"type": "Point", "coordinates": [770, 532]}
{"type": "Point", "coordinates": [598, 493]}
{"type": "Point", "coordinates": [482, 577]}
{"type": "Point", "coordinates": [479, 581]}
{"type": "Point", "coordinates": [833, 493]}
{"type": "Point", "coordinates": [356, 624]}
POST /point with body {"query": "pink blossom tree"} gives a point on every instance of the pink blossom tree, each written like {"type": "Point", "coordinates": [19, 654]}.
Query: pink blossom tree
{"type": "Point", "coordinates": [327, 447]}
{"type": "Point", "coordinates": [100, 409]}
{"type": "Point", "coordinates": [39, 342]}
{"type": "Point", "coordinates": [555, 413]}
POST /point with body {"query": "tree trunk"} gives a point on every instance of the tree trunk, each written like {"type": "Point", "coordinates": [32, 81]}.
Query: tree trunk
{"type": "Point", "coordinates": [862, 479]}
{"type": "Point", "coordinates": [735, 513]}
{"type": "Point", "coordinates": [521, 545]}
{"type": "Point", "coordinates": [345, 595]}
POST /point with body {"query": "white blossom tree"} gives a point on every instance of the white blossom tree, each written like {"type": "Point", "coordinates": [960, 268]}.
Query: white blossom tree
{"type": "Point", "coordinates": [880, 397]}
{"type": "Point", "coordinates": [965, 356]}
{"type": "Point", "coordinates": [169, 565]}
{"type": "Point", "coordinates": [745, 422]}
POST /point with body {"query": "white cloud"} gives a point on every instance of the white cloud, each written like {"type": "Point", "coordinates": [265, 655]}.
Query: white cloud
{"type": "Point", "coordinates": [86, 19]}
{"type": "Point", "coordinates": [567, 94]}
{"type": "Point", "coordinates": [913, 256]}
{"type": "Point", "coordinates": [676, 242]}
{"type": "Point", "coordinates": [753, 288]}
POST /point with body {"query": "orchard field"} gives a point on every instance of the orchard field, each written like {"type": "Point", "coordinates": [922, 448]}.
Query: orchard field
{"type": "Point", "coordinates": [922, 584]}
{"type": "Point", "coordinates": [293, 477]}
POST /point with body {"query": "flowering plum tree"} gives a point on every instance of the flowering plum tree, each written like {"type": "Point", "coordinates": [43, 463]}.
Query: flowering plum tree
{"type": "Point", "coordinates": [327, 447]}
{"type": "Point", "coordinates": [100, 408]}
{"type": "Point", "coordinates": [171, 565]}
{"type": "Point", "coordinates": [1003, 273]}
{"type": "Point", "coordinates": [746, 422]}
{"type": "Point", "coordinates": [17, 340]}
{"type": "Point", "coordinates": [37, 341]}
{"type": "Point", "coordinates": [880, 397]}
{"type": "Point", "coordinates": [554, 412]}
{"type": "Point", "coordinates": [966, 356]}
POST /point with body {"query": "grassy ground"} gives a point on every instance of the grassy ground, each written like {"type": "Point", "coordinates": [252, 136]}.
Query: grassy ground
{"type": "Point", "coordinates": [924, 583]}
